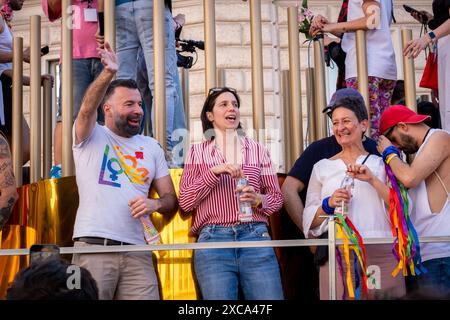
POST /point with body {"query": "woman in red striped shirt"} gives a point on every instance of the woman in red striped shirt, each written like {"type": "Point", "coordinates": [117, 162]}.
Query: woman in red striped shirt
{"type": "Point", "coordinates": [209, 189]}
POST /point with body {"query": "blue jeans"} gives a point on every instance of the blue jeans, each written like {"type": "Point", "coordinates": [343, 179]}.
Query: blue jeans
{"type": "Point", "coordinates": [436, 281]}
{"type": "Point", "coordinates": [134, 30]}
{"type": "Point", "coordinates": [220, 272]}
{"type": "Point", "coordinates": [84, 73]}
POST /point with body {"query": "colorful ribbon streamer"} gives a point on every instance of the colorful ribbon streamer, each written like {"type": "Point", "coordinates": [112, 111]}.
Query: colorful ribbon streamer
{"type": "Point", "coordinates": [406, 247]}
{"type": "Point", "coordinates": [352, 242]}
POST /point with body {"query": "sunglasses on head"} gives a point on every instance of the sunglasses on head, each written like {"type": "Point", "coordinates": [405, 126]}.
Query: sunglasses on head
{"type": "Point", "coordinates": [221, 89]}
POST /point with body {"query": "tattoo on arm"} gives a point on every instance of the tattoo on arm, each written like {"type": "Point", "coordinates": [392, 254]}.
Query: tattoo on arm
{"type": "Point", "coordinates": [4, 149]}
{"type": "Point", "coordinates": [6, 173]}
{"type": "Point", "coordinates": [7, 181]}
{"type": "Point", "coordinates": [5, 212]}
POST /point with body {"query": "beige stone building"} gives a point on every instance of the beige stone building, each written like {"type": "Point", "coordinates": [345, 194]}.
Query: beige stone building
{"type": "Point", "coordinates": [234, 54]}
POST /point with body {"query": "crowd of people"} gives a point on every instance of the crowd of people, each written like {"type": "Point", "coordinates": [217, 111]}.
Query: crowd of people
{"type": "Point", "coordinates": [229, 183]}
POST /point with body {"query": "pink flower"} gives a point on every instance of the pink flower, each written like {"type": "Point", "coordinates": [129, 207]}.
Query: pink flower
{"type": "Point", "coordinates": [308, 13]}
{"type": "Point", "coordinates": [301, 18]}
{"type": "Point", "coordinates": [7, 13]}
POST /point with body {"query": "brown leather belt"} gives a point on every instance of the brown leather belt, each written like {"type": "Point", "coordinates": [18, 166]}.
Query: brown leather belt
{"type": "Point", "coordinates": [101, 241]}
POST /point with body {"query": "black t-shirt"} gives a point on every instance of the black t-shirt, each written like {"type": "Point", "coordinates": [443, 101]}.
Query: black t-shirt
{"type": "Point", "coordinates": [440, 13]}
{"type": "Point", "coordinates": [318, 150]}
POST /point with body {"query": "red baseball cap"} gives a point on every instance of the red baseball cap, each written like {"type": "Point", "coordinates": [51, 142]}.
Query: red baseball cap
{"type": "Point", "coordinates": [398, 113]}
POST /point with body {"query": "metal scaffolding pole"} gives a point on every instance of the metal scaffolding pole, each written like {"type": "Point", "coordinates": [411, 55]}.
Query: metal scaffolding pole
{"type": "Point", "coordinates": [17, 110]}
{"type": "Point", "coordinates": [313, 120]}
{"type": "Point", "coordinates": [257, 68]}
{"type": "Point", "coordinates": [363, 75]}
{"type": "Point", "coordinates": [47, 128]}
{"type": "Point", "coordinates": [285, 85]}
{"type": "Point", "coordinates": [221, 77]}
{"type": "Point", "coordinates": [35, 98]}
{"type": "Point", "coordinates": [409, 75]}
{"type": "Point", "coordinates": [67, 164]}
{"type": "Point", "coordinates": [295, 88]}
{"type": "Point", "coordinates": [160, 73]}
{"type": "Point", "coordinates": [320, 97]}
{"type": "Point", "coordinates": [110, 23]}
{"type": "Point", "coordinates": [209, 14]}
{"type": "Point", "coordinates": [332, 257]}
{"type": "Point", "coordinates": [185, 91]}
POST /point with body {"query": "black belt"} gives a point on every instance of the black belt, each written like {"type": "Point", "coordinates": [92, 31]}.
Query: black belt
{"type": "Point", "coordinates": [101, 241]}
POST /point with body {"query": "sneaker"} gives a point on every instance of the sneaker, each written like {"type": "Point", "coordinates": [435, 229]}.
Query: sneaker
{"type": "Point", "coordinates": [55, 172]}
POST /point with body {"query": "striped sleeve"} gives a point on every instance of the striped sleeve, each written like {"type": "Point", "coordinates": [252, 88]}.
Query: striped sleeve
{"type": "Point", "coordinates": [271, 196]}
{"type": "Point", "coordinates": [195, 185]}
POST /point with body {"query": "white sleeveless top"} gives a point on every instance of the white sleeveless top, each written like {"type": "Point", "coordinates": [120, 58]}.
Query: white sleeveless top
{"type": "Point", "coordinates": [427, 223]}
{"type": "Point", "coordinates": [6, 39]}
{"type": "Point", "coordinates": [6, 44]}
{"type": "Point", "coordinates": [380, 51]}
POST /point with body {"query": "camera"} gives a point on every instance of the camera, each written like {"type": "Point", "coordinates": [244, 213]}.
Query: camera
{"type": "Point", "coordinates": [189, 46]}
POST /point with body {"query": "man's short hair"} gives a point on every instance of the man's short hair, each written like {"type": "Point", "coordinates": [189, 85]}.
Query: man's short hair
{"type": "Point", "coordinates": [125, 83]}
{"type": "Point", "coordinates": [48, 280]}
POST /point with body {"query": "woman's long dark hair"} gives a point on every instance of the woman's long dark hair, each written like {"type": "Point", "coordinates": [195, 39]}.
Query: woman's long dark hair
{"type": "Point", "coordinates": [208, 128]}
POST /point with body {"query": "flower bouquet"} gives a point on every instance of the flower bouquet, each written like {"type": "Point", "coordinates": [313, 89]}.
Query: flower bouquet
{"type": "Point", "coordinates": [305, 18]}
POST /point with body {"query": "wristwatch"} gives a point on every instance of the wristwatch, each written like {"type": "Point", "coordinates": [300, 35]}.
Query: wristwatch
{"type": "Point", "coordinates": [432, 36]}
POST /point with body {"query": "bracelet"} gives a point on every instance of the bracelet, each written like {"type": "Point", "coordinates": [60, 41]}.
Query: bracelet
{"type": "Point", "coordinates": [326, 207]}
{"type": "Point", "coordinates": [390, 150]}
{"type": "Point", "coordinates": [259, 201]}
{"type": "Point", "coordinates": [390, 157]}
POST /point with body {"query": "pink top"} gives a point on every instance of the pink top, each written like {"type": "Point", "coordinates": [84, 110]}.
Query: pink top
{"type": "Point", "coordinates": [84, 44]}
{"type": "Point", "coordinates": [213, 197]}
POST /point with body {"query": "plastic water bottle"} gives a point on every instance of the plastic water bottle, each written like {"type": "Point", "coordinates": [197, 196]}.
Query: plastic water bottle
{"type": "Point", "coordinates": [347, 183]}
{"type": "Point", "coordinates": [245, 208]}
{"type": "Point", "coordinates": [151, 235]}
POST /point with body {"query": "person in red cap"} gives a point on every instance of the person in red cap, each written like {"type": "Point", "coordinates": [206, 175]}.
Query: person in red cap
{"type": "Point", "coordinates": [428, 180]}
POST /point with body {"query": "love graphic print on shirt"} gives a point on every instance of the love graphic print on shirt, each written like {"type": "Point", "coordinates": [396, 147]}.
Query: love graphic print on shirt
{"type": "Point", "coordinates": [119, 163]}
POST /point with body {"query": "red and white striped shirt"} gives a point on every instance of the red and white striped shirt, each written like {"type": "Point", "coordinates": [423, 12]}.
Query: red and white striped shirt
{"type": "Point", "coordinates": [213, 197]}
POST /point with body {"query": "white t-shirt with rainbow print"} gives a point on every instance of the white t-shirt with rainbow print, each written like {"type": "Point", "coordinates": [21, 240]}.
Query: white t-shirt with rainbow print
{"type": "Point", "coordinates": [110, 171]}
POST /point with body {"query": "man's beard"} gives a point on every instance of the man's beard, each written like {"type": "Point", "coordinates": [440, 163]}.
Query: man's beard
{"type": "Point", "coordinates": [408, 144]}
{"type": "Point", "coordinates": [127, 129]}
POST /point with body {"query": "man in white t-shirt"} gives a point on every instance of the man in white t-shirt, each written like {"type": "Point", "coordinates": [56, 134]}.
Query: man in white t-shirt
{"type": "Point", "coordinates": [115, 168]}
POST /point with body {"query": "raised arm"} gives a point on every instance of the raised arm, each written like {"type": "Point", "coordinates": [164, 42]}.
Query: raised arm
{"type": "Point", "coordinates": [428, 160]}
{"type": "Point", "coordinates": [87, 116]}
{"type": "Point", "coordinates": [8, 191]}
{"type": "Point", "coordinates": [371, 20]}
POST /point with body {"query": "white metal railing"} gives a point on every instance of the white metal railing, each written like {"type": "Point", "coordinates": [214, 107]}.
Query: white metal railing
{"type": "Point", "coordinates": [331, 242]}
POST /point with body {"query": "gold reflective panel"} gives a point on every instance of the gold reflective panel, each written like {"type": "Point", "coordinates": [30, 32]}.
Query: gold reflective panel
{"type": "Point", "coordinates": [175, 267]}
{"type": "Point", "coordinates": [45, 213]}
